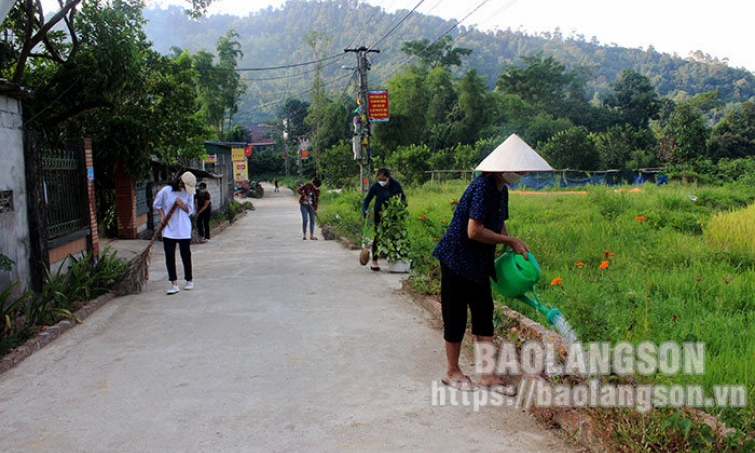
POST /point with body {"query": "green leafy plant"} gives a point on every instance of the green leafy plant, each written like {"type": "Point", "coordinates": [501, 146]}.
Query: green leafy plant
{"type": "Point", "coordinates": [392, 237]}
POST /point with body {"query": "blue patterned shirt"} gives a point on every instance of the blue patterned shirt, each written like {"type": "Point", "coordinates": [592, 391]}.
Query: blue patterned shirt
{"type": "Point", "coordinates": [465, 257]}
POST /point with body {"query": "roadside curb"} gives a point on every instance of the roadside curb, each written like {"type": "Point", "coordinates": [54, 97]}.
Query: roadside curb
{"type": "Point", "coordinates": [49, 333]}
{"type": "Point", "coordinates": [573, 423]}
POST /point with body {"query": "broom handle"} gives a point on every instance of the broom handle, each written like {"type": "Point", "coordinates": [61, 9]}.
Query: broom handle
{"type": "Point", "coordinates": [314, 212]}
{"type": "Point", "coordinates": [163, 223]}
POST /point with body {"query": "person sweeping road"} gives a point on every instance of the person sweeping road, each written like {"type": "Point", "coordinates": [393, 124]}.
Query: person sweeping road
{"type": "Point", "coordinates": [384, 188]}
{"type": "Point", "coordinates": [467, 256]}
{"type": "Point", "coordinates": [178, 227]}
{"type": "Point", "coordinates": [309, 198]}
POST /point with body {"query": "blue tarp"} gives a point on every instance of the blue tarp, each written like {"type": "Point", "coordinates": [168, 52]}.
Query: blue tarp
{"type": "Point", "coordinates": [568, 178]}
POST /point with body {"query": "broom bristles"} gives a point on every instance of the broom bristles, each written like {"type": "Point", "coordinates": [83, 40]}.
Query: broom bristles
{"type": "Point", "coordinates": [133, 280]}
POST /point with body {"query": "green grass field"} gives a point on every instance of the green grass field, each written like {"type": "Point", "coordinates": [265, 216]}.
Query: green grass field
{"type": "Point", "coordinates": [669, 263]}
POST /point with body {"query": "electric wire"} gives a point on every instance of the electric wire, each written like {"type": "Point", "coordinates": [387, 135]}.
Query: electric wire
{"type": "Point", "coordinates": [397, 24]}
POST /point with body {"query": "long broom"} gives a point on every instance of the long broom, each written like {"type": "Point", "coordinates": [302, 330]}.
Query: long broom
{"type": "Point", "coordinates": [138, 272]}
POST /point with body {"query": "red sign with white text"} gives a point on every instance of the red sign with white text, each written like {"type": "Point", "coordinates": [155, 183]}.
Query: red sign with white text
{"type": "Point", "coordinates": [377, 105]}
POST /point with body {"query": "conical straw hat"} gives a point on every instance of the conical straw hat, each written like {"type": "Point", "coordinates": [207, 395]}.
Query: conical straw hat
{"type": "Point", "coordinates": [514, 155]}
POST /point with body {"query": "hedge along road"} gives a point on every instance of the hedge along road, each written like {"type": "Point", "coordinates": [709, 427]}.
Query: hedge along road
{"type": "Point", "coordinates": [284, 345]}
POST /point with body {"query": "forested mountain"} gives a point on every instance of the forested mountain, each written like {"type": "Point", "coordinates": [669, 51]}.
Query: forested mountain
{"type": "Point", "coordinates": [272, 38]}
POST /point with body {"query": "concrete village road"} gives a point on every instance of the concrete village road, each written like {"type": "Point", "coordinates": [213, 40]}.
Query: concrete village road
{"type": "Point", "coordinates": [283, 346]}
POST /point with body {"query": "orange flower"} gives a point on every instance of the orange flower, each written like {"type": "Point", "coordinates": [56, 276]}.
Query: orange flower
{"type": "Point", "coordinates": [641, 218]}
{"type": "Point", "coordinates": [435, 239]}
{"type": "Point", "coordinates": [442, 221]}
{"type": "Point", "coordinates": [604, 264]}
{"type": "Point", "coordinates": [580, 264]}
{"type": "Point", "coordinates": [557, 281]}
{"type": "Point", "coordinates": [608, 254]}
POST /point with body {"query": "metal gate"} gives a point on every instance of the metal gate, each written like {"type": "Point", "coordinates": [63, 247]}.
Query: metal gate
{"type": "Point", "coordinates": [65, 191]}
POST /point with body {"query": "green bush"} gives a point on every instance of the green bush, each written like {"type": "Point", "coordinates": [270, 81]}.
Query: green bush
{"type": "Point", "coordinates": [61, 295]}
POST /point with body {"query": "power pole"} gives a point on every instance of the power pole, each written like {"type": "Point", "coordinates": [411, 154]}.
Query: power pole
{"type": "Point", "coordinates": [362, 129]}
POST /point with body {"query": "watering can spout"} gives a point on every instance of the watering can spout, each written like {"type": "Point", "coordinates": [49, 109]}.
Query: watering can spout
{"type": "Point", "coordinates": [552, 315]}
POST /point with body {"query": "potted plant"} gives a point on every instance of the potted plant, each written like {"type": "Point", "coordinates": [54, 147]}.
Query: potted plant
{"type": "Point", "coordinates": [392, 237]}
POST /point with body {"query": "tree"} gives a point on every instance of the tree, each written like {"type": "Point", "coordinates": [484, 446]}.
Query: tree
{"type": "Point", "coordinates": [440, 53]}
{"type": "Point", "coordinates": [635, 98]}
{"type": "Point", "coordinates": [474, 110]}
{"type": "Point", "coordinates": [572, 149]}
{"type": "Point", "coordinates": [338, 167]}
{"type": "Point", "coordinates": [316, 116]}
{"type": "Point", "coordinates": [685, 135]}
{"type": "Point", "coordinates": [219, 86]}
{"type": "Point", "coordinates": [292, 124]}
{"type": "Point", "coordinates": [542, 83]}
{"type": "Point", "coordinates": [409, 103]}
{"type": "Point", "coordinates": [231, 87]}
{"type": "Point", "coordinates": [98, 57]}
{"type": "Point", "coordinates": [624, 146]}
{"type": "Point", "coordinates": [442, 99]}
{"type": "Point", "coordinates": [26, 23]}
{"type": "Point", "coordinates": [734, 136]}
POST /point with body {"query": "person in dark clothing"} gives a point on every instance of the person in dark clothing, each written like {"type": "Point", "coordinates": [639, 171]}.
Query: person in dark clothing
{"type": "Point", "coordinates": [204, 212]}
{"type": "Point", "coordinates": [384, 188]}
{"type": "Point", "coordinates": [467, 256]}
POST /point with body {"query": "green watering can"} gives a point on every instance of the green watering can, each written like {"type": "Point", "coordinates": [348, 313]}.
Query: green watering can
{"type": "Point", "coordinates": [516, 276]}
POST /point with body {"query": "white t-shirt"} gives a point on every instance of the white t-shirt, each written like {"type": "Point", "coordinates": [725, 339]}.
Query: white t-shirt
{"type": "Point", "coordinates": [179, 225]}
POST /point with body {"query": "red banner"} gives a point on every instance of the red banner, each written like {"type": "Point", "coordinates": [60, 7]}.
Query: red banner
{"type": "Point", "coordinates": [377, 102]}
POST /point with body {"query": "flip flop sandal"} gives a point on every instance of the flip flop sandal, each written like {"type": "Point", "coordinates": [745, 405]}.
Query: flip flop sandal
{"type": "Point", "coordinates": [463, 385]}
{"type": "Point", "coordinates": [375, 268]}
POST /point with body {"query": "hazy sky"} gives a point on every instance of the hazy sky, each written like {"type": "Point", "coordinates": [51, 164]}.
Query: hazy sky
{"type": "Point", "coordinates": [720, 28]}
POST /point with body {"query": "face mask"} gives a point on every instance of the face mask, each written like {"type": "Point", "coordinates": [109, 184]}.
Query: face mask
{"type": "Point", "coordinates": [512, 178]}
{"type": "Point", "coordinates": [382, 183]}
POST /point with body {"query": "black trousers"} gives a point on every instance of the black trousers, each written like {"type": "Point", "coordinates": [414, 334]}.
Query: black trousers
{"type": "Point", "coordinates": [456, 294]}
{"type": "Point", "coordinates": [184, 246]}
{"type": "Point", "coordinates": [203, 224]}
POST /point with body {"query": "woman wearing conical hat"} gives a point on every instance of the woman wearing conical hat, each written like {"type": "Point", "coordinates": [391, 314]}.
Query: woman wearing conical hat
{"type": "Point", "coordinates": [467, 255]}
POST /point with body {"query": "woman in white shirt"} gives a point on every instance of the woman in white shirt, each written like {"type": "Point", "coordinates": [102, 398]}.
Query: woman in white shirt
{"type": "Point", "coordinates": [178, 229]}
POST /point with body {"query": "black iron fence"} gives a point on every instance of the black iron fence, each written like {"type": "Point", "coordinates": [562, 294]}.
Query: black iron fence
{"type": "Point", "coordinates": [65, 192]}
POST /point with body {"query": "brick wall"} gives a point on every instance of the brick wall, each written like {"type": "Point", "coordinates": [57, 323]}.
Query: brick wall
{"type": "Point", "coordinates": [61, 252]}
{"type": "Point", "coordinates": [125, 204]}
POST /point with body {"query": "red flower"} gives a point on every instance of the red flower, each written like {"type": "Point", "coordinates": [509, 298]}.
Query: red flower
{"type": "Point", "coordinates": [641, 218]}
{"type": "Point", "coordinates": [557, 281]}
{"type": "Point", "coordinates": [580, 264]}
{"type": "Point", "coordinates": [604, 264]}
